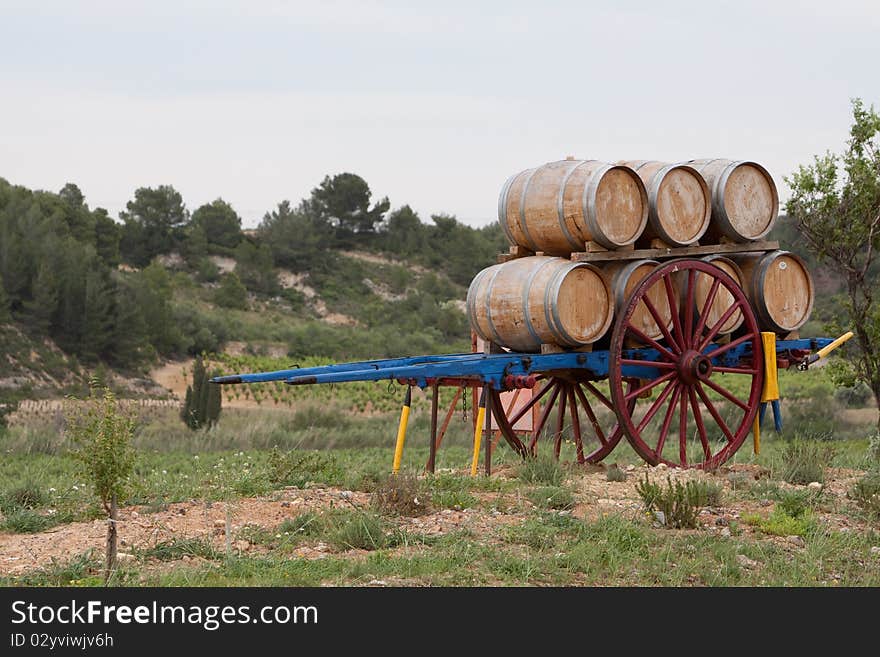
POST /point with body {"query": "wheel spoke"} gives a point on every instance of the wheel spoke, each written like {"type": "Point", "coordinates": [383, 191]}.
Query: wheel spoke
{"type": "Point", "coordinates": [534, 400]}
{"type": "Point", "coordinates": [598, 395]}
{"type": "Point", "coordinates": [545, 415]}
{"type": "Point", "coordinates": [494, 399]}
{"type": "Point", "coordinates": [667, 419]}
{"type": "Point", "coordinates": [734, 370]}
{"type": "Point", "coordinates": [704, 312]}
{"type": "Point", "coordinates": [668, 355]}
{"type": "Point", "coordinates": [682, 430]}
{"type": "Point", "coordinates": [656, 382]}
{"type": "Point", "coordinates": [590, 414]}
{"type": "Point", "coordinates": [701, 428]}
{"type": "Point", "coordinates": [672, 342]}
{"type": "Point", "coordinates": [689, 308]}
{"type": "Point", "coordinates": [560, 418]}
{"type": "Point", "coordinates": [727, 347]}
{"type": "Point", "coordinates": [652, 411]}
{"type": "Point", "coordinates": [575, 423]}
{"type": "Point", "coordinates": [680, 337]}
{"type": "Point", "coordinates": [717, 326]}
{"type": "Point", "coordinates": [714, 412]}
{"type": "Point", "coordinates": [660, 365]}
{"type": "Point", "coordinates": [724, 392]}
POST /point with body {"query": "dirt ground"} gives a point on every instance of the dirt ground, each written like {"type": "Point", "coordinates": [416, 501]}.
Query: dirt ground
{"type": "Point", "coordinates": [140, 529]}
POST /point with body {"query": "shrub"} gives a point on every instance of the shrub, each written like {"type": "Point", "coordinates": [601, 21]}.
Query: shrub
{"type": "Point", "coordinates": [305, 524]}
{"type": "Point", "coordinates": [614, 473]}
{"type": "Point", "coordinates": [400, 494]}
{"type": "Point", "coordinates": [24, 496]}
{"type": "Point", "coordinates": [677, 504]}
{"type": "Point", "coordinates": [874, 449]}
{"type": "Point", "coordinates": [296, 468]}
{"type": "Point", "coordinates": [866, 493]}
{"type": "Point", "coordinates": [26, 521]}
{"type": "Point", "coordinates": [541, 470]}
{"type": "Point", "coordinates": [856, 396]}
{"type": "Point", "coordinates": [180, 547]}
{"type": "Point", "coordinates": [552, 497]}
{"type": "Point", "coordinates": [363, 531]}
{"type": "Point", "coordinates": [796, 503]}
{"type": "Point", "coordinates": [780, 523]}
{"type": "Point", "coordinates": [804, 459]}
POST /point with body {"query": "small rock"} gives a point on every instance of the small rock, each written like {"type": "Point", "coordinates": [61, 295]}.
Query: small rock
{"type": "Point", "coordinates": [722, 521]}
{"type": "Point", "coordinates": [660, 517]}
{"type": "Point", "coordinates": [135, 514]}
{"type": "Point", "coordinates": [377, 582]}
{"type": "Point", "coordinates": [876, 550]}
{"type": "Point", "coordinates": [446, 512]}
{"type": "Point", "coordinates": [660, 466]}
{"type": "Point", "coordinates": [241, 545]}
{"type": "Point", "coordinates": [219, 524]}
{"type": "Point", "coordinates": [845, 530]}
{"type": "Point", "coordinates": [125, 557]}
{"type": "Point", "coordinates": [285, 504]}
{"type": "Point", "coordinates": [346, 494]}
{"type": "Point", "coordinates": [765, 502]}
{"type": "Point", "coordinates": [745, 562]}
{"type": "Point", "coordinates": [630, 467]}
{"type": "Point", "coordinates": [814, 485]}
{"type": "Point", "coordinates": [297, 501]}
{"type": "Point", "coordinates": [322, 547]}
{"type": "Point", "coordinates": [181, 511]}
{"type": "Point", "coordinates": [725, 532]}
{"type": "Point", "coordinates": [796, 540]}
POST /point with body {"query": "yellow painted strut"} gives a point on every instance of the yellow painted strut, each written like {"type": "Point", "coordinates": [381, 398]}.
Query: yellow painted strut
{"type": "Point", "coordinates": [824, 351]}
{"type": "Point", "coordinates": [478, 433]}
{"type": "Point", "coordinates": [401, 430]}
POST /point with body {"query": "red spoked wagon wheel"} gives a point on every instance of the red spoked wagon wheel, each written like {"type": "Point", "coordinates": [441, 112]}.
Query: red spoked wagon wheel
{"type": "Point", "coordinates": [692, 413]}
{"type": "Point", "coordinates": [577, 407]}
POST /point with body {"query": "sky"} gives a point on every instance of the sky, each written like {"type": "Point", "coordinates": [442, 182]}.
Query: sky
{"type": "Point", "coordinates": [434, 104]}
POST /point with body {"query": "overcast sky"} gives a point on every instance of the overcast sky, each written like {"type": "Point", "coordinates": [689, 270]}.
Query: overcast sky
{"type": "Point", "coordinates": [435, 104]}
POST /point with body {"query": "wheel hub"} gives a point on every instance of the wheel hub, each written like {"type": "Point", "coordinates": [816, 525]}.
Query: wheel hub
{"type": "Point", "coordinates": [694, 366]}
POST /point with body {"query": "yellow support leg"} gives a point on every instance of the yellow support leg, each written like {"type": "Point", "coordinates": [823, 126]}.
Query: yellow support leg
{"type": "Point", "coordinates": [478, 433]}
{"type": "Point", "coordinates": [401, 431]}
{"type": "Point", "coordinates": [756, 433]}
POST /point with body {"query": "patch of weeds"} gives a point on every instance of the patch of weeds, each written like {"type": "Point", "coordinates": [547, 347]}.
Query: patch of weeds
{"type": "Point", "coordinates": [81, 570]}
{"type": "Point", "coordinates": [614, 473]}
{"type": "Point", "coordinates": [804, 460]}
{"type": "Point", "coordinates": [364, 531]}
{"type": "Point", "coordinates": [552, 497]}
{"type": "Point", "coordinates": [305, 524]}
{"type": "Point", "coordinates": [180, 547]}
{"type": "Point", "coordinates": [533, 533]}
{"type": "Point", "coordinates": [795, 503]}
{"type": "Point", "coordinates": [297, 468]}
{"type": "Point", "coordinates": [400, 495]}
{"type": "Point", "coordinates": [780, 523]}
{"type": "Point", "coordinates": [541, 470]}
{"type": "Point", "coordinates": [27, 521]}
{"type": "Point", "coordinates": [24, 496]}
{"type": "Point", "coordinates": [676, 505]}
{"type": "Point", "coordinates": [452, 492]}
{"type": "Point", "coordinates": [866, 493]}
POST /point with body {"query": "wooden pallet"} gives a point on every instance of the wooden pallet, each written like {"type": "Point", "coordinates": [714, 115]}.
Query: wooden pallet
{"type": "Point", "coordinates": [676, 252]}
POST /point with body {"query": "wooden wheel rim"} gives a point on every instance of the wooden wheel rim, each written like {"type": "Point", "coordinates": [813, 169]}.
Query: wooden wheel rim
{"type": "Point", "coordinates": [687, 373]}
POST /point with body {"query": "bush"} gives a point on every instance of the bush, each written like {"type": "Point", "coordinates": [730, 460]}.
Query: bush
{"type": "Point", "coordinates": [552, 497]}
{"type": "Point", "coordinates": [874, 449]}
{"type": "Point", "coordinates": [24, 496]}
{"type": "Point", "coordinates": [26, 521]}
{"type": "Point", "coordinates": [677, 504]}
{"type": "Point", "coordinates": [177, 548]}
{"type": "Point", "coordinates": [400, 495]}
{"type": "Point", "coordinates": [362, 531]}
{"type": "Point", "coordinates": [295, 468]}
{"type": "Point", "coordinates": [541, 470]}
{"type": "Point", "coordinates": [796, 503]}
{"type": "Point", "coordinates": [855, 397]}
{"type": "Point", "coordinates": [804, 460]}
{"type": "Point", "coordinates": [305, 524]}
{"type": "Point", "coordinates": [614, 473]}
{"type": "Point", "coordinates": [231, 293]}
{"type": "Point", "coordinates": [866, 493]}
{"type": "Point", "coordinates": [780, 523]}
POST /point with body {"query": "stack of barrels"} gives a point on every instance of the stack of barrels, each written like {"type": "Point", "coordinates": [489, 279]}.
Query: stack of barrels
{"type": "Point", "coordinates": [545, 296]}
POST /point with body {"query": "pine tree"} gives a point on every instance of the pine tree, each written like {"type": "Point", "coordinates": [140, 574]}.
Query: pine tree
{"type": "Point", "coordinates": [4, 304]}
{"type": "Point", "coordinates": [40, 309]}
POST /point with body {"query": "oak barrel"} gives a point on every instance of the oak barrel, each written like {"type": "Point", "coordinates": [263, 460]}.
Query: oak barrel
{"type": "Point", "coordinates": [524, 303]}
{"type": "Point", "coordinates": [723, 299]}
{"type": "Point", "coordinates": [679, 202]}
{"type": "Point", "coordinates": [745, 202]}
{"type": "Point", "coordinates": [557, 207]}
{"type": "Point", "coordinates": [623, 278]}
{"type": "Point", "coordinates": [779, 287]}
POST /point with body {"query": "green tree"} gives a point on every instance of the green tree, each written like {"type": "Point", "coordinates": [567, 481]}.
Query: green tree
{"type": "Point", "coordinates": [344, 200]}
{"type": "Point", "coordinates": [203, 401]}
{"type": "Point", "coordinates": [40, 309]}
{"type": "Point", "coordinates": [98, 317]}
{"type": "Point", "coordinates": [836, 204]}
{"type": "Point", "coordinates": [107, 236]}
{"type": "Point", "coordinates": [221, 223]}
{"type": "Point", "coordinates": [297, 237]}
{"type": "Point", "coordinates": [255, 267]}
{"type": "Point", "coordinates": [153, 223]}
{"type": "Point", "coordinates": [103, 434]}
{"type": "Point", "coordinates": [231, 293]}
{"type": "Point", "coordinates": [5, 315]}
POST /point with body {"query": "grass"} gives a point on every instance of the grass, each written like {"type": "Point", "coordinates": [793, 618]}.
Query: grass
{"type": "Point", "coordinates": [780, 523]}
{"type": "Point", "coordinates": [541, 470]}
{"type": "Point", "coordinates": [552, 497]}
{"type": "Point", "coordinates": [677, 504]}
{"type": "Point", "coordinates": [804, 459]}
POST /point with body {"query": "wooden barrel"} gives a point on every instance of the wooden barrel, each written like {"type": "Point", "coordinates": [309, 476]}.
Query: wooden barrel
{"type": "Point", "coordinates": [779, 287]}
{"type": "Point", "coordinates": [623, 278]}
{"type": "Point", "coordinates": [527, 302]}
{"type": "Point", "coordinates": [558, 207]}
{"type": "Point", "coordinates": [723, 299]}
{"type": "Point", "coordinates": [679, 202]}
{"type": "Point", "coordinates": [745, 203]}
